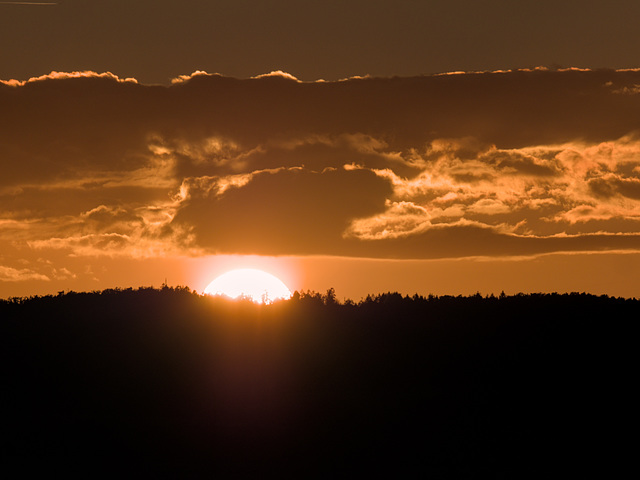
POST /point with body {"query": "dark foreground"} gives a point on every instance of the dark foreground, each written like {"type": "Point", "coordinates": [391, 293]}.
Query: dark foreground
{"type": "Point", "coordinates": [167, 383]}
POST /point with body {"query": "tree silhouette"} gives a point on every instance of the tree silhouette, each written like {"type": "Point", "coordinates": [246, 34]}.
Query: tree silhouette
{"type": "Point", "coordinates": [182, 383]}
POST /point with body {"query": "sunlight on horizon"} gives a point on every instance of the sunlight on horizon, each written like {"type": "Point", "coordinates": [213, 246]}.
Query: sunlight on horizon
{"type": "Point", "coordinates": [250, 283]}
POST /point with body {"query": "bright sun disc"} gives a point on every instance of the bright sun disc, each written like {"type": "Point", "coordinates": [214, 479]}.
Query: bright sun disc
{"type": "Point", "coordinates": [256, 285]}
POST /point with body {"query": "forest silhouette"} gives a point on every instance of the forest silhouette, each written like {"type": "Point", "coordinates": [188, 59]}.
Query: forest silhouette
{"type": "Point", "coordinates": [168, 382]}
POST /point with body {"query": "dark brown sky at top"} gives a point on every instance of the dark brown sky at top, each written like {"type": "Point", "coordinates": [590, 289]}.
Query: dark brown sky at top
{"type": "Point", "coordinates": [155, 40]}
{"type": "Point", "coordinates": [495, 164]}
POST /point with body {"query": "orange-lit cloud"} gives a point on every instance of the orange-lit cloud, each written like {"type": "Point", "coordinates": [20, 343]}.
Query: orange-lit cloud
{"type": "Point", "coordinates": [277, 73]}
{"type": "Point", "coordinates": [8, 274]}
{"type": "Point", "coordinates": [515, 163]}
{"type": "Point", "coordinates": [66, 75]}
{"type": "Point", "coordinates": [186, 78]}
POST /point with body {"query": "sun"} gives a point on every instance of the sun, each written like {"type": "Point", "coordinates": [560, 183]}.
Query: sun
{"type": "Point", "coordinates": [251, 283]}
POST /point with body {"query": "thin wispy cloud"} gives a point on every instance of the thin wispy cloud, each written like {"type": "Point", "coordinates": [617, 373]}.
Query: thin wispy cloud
{"type": "Point", "coordinates": [30, 3]}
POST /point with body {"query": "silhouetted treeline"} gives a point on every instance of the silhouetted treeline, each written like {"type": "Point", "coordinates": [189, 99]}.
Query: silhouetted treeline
{"type": "Point", "coordinates": [170, 382]}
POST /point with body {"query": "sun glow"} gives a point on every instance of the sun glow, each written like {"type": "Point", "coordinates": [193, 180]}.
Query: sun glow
{"type": "Point", "coordinates": [255, 285]}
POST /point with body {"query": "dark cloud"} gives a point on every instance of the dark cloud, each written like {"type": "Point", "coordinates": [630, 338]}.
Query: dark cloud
{"type": "Point", "coordinates": [601, 188]}
{"type": "Point", "coordinates": [520, 164]}
{"type": "Point", "coordinates": [282, 212]}
{"type": "Point", "coordinates": [467, 241]}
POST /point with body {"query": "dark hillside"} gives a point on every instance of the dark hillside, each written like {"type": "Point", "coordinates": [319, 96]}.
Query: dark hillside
{"type": "Point", "coordinates": [170, 383]}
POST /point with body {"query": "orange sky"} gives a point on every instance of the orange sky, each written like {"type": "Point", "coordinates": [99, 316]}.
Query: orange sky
{"type": "Point", "coordinates": [515, 181]}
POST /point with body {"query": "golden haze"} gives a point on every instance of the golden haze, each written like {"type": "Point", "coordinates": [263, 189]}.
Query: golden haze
{"type": "Point", "coordinates": [523, 180]}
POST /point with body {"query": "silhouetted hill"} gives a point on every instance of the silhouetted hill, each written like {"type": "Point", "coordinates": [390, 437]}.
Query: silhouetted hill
{"type": "Point", "coordinates": [170, 383]}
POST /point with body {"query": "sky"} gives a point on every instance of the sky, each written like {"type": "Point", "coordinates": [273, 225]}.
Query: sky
{"type": "Point", "coordinates": [421, 147]}
{"type": "Point", "coordinates": [156, 40]}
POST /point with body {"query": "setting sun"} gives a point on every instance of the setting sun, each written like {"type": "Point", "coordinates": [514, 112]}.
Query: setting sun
{"type": "Point", "coordinates": [256, 285]}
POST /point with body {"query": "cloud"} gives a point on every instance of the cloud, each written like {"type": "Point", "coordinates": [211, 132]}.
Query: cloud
{"type": "Point", "coordinates": [518, 162]}
{"type": "Point", "coordinates": [400, 219]}
{"type": "Point", "coordinates": [201, 73]}
{"type": "Point", "coordinates": [186, 78]}
{"type": "Point", "coordinates": [629, 90]}
{"type": "Point", "coordinates": [469, 239]}
{"type": "Point", "coordinates": [104, 244]}
{"type": "Point", "coordinates": [8, 274]}
{"type": "Point", "coordinates": [278, 73]}
{"type": "Point", "coordinates": [65, 75]}
{"type": "Point", "coordinates": [280, 212]}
